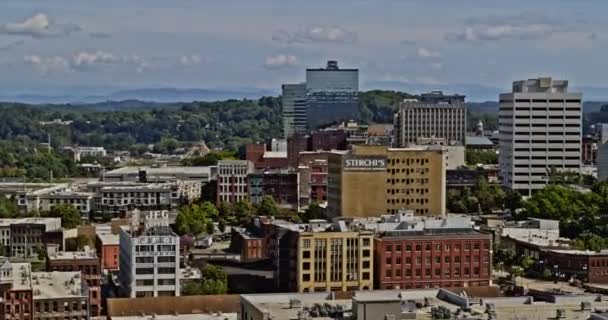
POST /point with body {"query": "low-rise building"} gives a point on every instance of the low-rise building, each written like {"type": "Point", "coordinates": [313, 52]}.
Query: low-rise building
{"type": "Point", "coordinates": [108, 247]}
{"type": "Point", "coordinates": [42, 295]}
{"type": "Point", "coordinates": [232, 180]}
{"type": "Point", "coordinates": [282, 186]}
{"type": "Point", "coordinates": [149, 257]}
{"type": "Point", "coordinates": [415, 252]}
{"type": "Point", "coordinates": [25, 237]}
{"type": "Point", "coordinates": [161, 174]}
{"type": "Point", "coordinates": [87, 263]}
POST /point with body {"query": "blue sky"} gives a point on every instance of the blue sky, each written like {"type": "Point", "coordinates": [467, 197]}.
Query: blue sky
{"type": "Point", "coordinates": [60, 45]}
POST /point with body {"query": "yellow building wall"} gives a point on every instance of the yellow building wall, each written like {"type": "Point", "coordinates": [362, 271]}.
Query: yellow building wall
{"type": "Point", "coordinates": [363, 258]}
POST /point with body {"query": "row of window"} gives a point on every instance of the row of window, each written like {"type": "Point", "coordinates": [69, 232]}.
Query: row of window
{"type": "Point", "coordinates": [438, 247]}
{"type": "Point", "coordinates": [437, 272]}
{"type": "Point", "coordinates": [427, 260]}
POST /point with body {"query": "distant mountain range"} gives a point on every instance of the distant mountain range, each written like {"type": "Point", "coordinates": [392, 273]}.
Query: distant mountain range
{"type": "Point", "coordinates": [160, 95]}
{"type": "Point", "coordinates": [474, 93]}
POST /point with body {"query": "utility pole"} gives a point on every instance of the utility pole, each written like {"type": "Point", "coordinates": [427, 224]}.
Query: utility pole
{"type": "Point", "coordinates": [48, 141]}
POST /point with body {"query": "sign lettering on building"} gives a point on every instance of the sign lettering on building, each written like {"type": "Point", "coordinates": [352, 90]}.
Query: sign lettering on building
{"type": "Point", "coordinates": [365, 163]}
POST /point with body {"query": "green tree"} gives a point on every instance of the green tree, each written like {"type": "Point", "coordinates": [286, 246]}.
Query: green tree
{"type": "Point", "coordinates": [70, 216]}
{"type": "Point", "coordinates": [194, 218]}
{"type": "Point", "coordinates": [268, 207]}
{"type": "Point", "coordinates": [214, 281]}
{"type": "Point", "coordinates": [475, 157]}
{"type": "Point", "coordinates": [8, 207]}
{"type": "Point", "coordinates": [512, 200]}
{"type": "Point", "coordinates": [314, 211]}
{"type": "Point", "coordinates": [590, 241]}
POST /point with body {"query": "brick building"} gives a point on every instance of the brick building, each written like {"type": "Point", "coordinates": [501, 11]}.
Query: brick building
{"type": "Point", "coordinates": [266, 159]}
{"type": "Point", "coordinates": [108, 247]}
{"type": "Point", "coordinates": [432, 253]}
{"type": "Point", "coordinates": [31, 295]}
{"type": "Point", "coordinates": [249, 245]}
{"type": "Point", "coordinates": [87, 263]}
{"type": "Point", "coordinates": [232, 180]}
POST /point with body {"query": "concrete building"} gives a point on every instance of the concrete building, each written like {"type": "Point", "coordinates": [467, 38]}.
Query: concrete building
{"type": "Point", "coordinates": [87, 263]}
{"type": "Point", "coordinates": [28, 196]}
{"type": "Point", "coordinates": [232, 180]}
{"type": "Point", "coordinates": [149, 257]}
{"type": "Point", "coordinates": [313, 181]}
{"type": "Point", "coordinates": [107, 246]}
{"type": "Point", "coordinates": [293, 97]}
{"type": "Point", "coordinates": [435, 116]}
{"type": "Point", "coordinates": [331, 94]}
{"type": "Point", "coordinates": [120, 197]}
{"type": "Point", "coordinates": [431, 253]}
{"type": "Point", "coordinates": [24, 237]}
{"type": "Point", "coordinates": [540, 129]}
{"type": "Point", "coordinates": [82, 201]}
{"type": "Point", "coordinates": [374, 180]}
{"type": "Point", "coordinates": [160, 174]}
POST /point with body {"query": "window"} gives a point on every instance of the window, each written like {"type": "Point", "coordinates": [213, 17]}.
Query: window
{"type": "Point", "coordinates": [398, 260]}
{"type": "Point", "coordinates": [389, 273]}
{"type": "Point", "coordinates": [418, 272]}
{"type": "Point", "coordinates": [466, 271]}
{"type": "Point", "coordinates": [418, 247]}
{"type": "Point", "coordinates": [447, 247]}
{"type": "Point", "coordinates": [457, 247]}
{"type": "Point", "coordinates": [427, 272]}
{"type": "Point", "coordinates": [398, 248]}
{"type": "Point", "coordinates": [476, 271]}
{"type": "Point", "coordinates": [476, 246]}
{"type": "Point", "coordinates": [408, 272]}
{"type": "Point", "coordinates": [457, 259]}
{"type": "Point", "coordinates": [408, 247]}
{"type": "Point", "coordinates": [389, 248]}
{"type": "Point", "coordinates": [306, 277]}
{"type": "Point", "coordinates": [447, 260]}
{"type": "Point", "coordinates": [428, 247]}
{"type": "Point", "coordinates": [398, 273]}
{"type": "Point", "coordinates": [365, 276]}
{"type": "Point", "coordinates": [408, 260]}
{"type": "Point", "coordinates": [306, 266]}
{"type": "Point", "coordinates": [437, 272]}
{"type": "Point", "coordinates": [427, 260]}
{"type": "Point", "coordinates": [365, 264]}
{"type": "Point", "coordinates": [389, 260]}
{"type": "Point", "coordinates": [306, 254]}
{"type": "Point", "coordinates": [438, 247]}
{"type": "Point", "coordinates": [418, 260]}
{"type": "Point", "coordinates": [467, 246]}
{"type": "Point", "coordinates": [366, 253]}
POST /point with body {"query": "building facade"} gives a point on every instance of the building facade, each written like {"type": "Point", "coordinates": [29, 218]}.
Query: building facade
{"type": "Point", "coordinates": [540, 130]}
{"type": "Point", "coordinates": [335, 261]}
{"type": "Point", "coordinates": [435, 116]}
{"type": "Point", "coordinates": [232, 180]}
{"type": "Point", "coordinates": [149, 257]}
{"type": "Point", "coordinates": [293, 97]}
{"type": "Point", "coordinates": [374, 180]}
{"type": "Point", "coordinates": [433, 253]}
{"type": "Point", "coordinates": [281, 186]}
{"type": "Point", "coordinates": [331, 94]}
{"type": "Point", "coordinates": [26, 236]}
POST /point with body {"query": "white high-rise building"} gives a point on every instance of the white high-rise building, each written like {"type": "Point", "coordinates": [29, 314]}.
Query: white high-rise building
{"type": "Point", "coordinates": [149, 257]}
{"type": "Point", "coordinates": [540, 130]}
{"type": "Point", "coordinates": [293, 98]}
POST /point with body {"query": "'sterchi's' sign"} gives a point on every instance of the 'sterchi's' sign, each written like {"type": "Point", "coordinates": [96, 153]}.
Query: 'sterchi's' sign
{"type": "Point", "coordinates": [365, 163]}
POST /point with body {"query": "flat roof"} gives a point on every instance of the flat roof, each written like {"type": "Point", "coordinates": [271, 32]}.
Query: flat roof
{"type": "Point", "coordinates": [161, 170]}
{"type": "Point", "coordinates": [55, 285]}
{"type": "Point", "coordinates": [217, 316]}
{"type": "Point", "coordinates": [109, 239]}
{"type": "Point", "coordinates": [73, 255]}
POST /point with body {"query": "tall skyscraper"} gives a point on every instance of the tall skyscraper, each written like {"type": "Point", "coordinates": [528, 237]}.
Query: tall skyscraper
{"type": "Point", "coordinates": [294, 109]}
{"type": "Point", "coordinates": [331, 94]}
{"type": "Point", "coordinates": [435, 118]}
{"type": "Point", "coordinates": [540, 130]}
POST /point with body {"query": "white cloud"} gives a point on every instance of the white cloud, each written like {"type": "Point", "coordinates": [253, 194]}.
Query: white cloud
{"type": "Point", "coordinates": [319, 34]}
{"type": "Point", "coordinates": [521, 27]}
{"type": "Point", "coordinates": [11, 45]}
{"type": "Point", "coordinates": [280, 61]}
{"type": "Point", "coordinates": [188, 60]}
{"type": "Point", "coordinates": [46, 65]}
{"type": "Point", "coordinates": [84, 61]}
{"type": "Point", "coordinates": [425, 53]}
{"type": "Point", "coordinates": [39, 26]}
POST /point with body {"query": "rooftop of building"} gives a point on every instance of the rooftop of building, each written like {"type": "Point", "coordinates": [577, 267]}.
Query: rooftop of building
{"type": "Point", "coordinates": [86, 254]}
{"type": "Point", "coordinates": [216, 316]}
{"type": "Point", "coordinates": [291, 305]}
{"type": "Point", "coordinates": [56, 285]}
{"type": "Point", "coordinates": [108, 239]}
{"type": "Point", "coordinates": [168, 170]}
{"type": "Point", "coordinates": [50, 223]}
{"type": "Point", "coordinates": [275, 154]}
{"type": "Point", "coordinates": [478, 141]}
{"type": "Point", "coordinates": [31, 188]}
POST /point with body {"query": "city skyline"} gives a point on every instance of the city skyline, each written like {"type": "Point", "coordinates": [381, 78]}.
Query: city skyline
{"type": "Point", "coordinates": [470, 47]}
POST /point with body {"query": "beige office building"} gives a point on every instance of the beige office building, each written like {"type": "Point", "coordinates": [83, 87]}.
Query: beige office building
{"type": "Point", "coordinates": [335, 261]}
{"type": "Point", "coordinates": [374, 180]}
